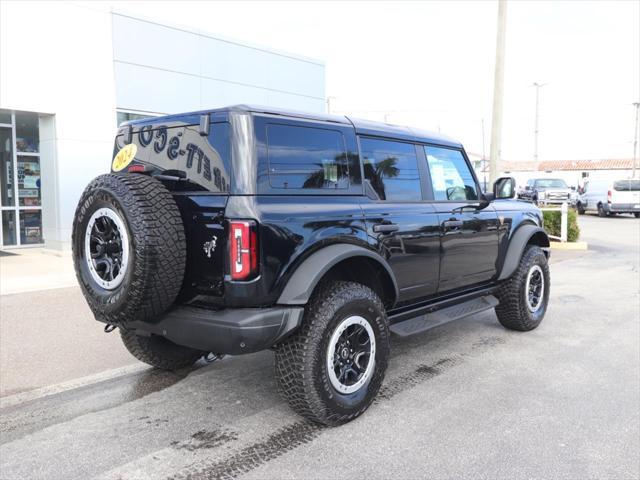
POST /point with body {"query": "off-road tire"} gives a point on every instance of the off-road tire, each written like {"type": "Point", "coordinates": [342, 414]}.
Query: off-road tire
{"type": "Point", "coordinates": [158, 351]}
{"type": "Point", "coordinates": [512, 311]}
{"type": "Point", "coordinates": [580, 209]}
{"type": "Point", "coordinates": [636, 214]}
{"type": "Point", "coordinates": [156, 264]}
{"type": "Point", "coordinates": [300, 366]}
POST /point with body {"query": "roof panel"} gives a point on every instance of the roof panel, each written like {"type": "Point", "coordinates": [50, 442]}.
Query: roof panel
{"type": "Point", "coordinates": [364, 127]}
{"type": "Point", "coordinates": [379, 129]}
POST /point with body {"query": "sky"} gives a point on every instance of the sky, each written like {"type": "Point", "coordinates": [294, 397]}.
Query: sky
{"type": "Point", "coordinates": [431, 64]}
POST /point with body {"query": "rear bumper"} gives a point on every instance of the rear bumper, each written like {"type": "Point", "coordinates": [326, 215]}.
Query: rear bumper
{"type": "Point", "coordinates": [622, 207]}
{"type": "Point", "coordinates": [230, 331]}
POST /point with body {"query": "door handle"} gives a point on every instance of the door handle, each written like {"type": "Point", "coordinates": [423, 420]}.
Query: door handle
{"type": "Point", "coordinates": [386, 228]}
{"type": "Point", "coordinates": [452, 223]}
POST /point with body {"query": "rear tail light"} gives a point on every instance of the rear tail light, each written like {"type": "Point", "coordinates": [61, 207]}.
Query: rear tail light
{"type": "Point", "coordinates": [243, 248]}
{"type": "Point", "coordinates": [136, 169]}
{"type": "Point", "coordinates": [608, 196]}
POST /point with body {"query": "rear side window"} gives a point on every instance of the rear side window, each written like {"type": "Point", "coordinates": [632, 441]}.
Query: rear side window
{"type": "Point", "coordinates": [450, 175]}
{"type": "Point", "coordinates": [626, 186]}
{"type": "Point", "coordinates": [305, 157]}
{"type": "Point", "coordinates": [174, 146]}
{"type": "Point", "coordinates": [392, 169]}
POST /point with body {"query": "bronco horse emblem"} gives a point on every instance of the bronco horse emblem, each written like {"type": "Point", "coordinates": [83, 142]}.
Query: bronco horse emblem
{"type": "Point", "coordinates": [210, 246]}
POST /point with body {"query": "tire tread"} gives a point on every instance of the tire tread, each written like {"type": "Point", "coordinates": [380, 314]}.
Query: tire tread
{"type": "Point", "coordinates": [512, 311]}
{"type": "Point", "coordinates": [297, 356]}
{"type": "Point", "coordinates": [158, 247]}
{"type": "Point", "coordinates": [159, 352]}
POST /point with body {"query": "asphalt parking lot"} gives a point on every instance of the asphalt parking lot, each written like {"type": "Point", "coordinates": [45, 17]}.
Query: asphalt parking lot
{"type": "Point", "coordinates": [468, 399]}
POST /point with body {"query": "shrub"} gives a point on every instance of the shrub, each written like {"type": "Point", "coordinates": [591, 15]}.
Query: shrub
{"type": "Point", "coordinates": [552, 221]}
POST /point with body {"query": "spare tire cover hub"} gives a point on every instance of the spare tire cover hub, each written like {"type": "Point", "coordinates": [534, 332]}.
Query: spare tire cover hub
{"type": "Point", "coordinates": [106, 248]}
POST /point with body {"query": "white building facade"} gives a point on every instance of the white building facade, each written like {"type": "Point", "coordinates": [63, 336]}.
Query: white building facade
{"type": "Point", "coordinates": [82, 71]}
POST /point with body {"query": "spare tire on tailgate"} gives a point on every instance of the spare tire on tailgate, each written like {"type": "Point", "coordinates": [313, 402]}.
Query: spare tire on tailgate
{"type": "Point", "coordinates": [128, 246]}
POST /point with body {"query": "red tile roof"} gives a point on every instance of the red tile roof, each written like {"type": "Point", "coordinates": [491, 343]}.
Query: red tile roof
{"type": "Point", "coordinates": [605, 164]}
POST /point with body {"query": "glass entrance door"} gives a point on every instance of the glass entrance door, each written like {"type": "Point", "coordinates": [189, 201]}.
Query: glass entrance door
{"type": "Point", "coordinates": [20, 197]}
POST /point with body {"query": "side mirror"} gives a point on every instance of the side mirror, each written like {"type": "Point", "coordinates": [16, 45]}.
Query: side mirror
{"type": "Point", "coordinates": [573, 188]}
{"type": "Point", "coordinates": [527, 187]}
{"type": "Point", "coordinates": [504, 187]}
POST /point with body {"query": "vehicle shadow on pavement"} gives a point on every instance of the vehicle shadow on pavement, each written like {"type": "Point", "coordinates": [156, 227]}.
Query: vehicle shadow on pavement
{"type": "Point", "coordinates": [415, 360]}
{"type": "Point", "coordinates": [153, 380]}
{"type": "Point", "coordinates": [247, 380]}
{"type": "Point", "coordinates": [17, 421]}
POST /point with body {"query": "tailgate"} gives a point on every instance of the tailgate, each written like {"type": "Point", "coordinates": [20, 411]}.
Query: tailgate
{"type": "Point", "coordinates": [176, 149]}
{"type": "Point", "coordinates": [206, 239]}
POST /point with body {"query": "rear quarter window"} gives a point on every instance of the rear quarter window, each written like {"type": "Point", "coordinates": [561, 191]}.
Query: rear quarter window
{"type": "Point", "coordinates": [174, 146]}
{"type": "Point", "coordinates": [306, 158]}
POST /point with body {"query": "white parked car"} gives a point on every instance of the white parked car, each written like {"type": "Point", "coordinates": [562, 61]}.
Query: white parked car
{"type": "Point", "coordinates": [610, 196]}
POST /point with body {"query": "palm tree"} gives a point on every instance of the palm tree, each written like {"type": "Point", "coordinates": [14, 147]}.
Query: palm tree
{"type": "Point", "coordinates": [385, 168]}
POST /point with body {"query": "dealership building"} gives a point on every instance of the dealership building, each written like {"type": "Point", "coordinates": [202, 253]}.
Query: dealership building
{"type": "Point", "coordinates": [70, 73]}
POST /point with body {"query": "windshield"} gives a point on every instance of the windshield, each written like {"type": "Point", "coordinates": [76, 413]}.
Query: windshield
{"type": "Point", "coordinates": [551, 183]}
{"type": "Point", "coordinates": [626, 185]}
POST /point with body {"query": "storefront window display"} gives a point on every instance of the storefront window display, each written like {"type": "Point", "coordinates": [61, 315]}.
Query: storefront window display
{"type": "Point", "coordinates": [20, 179]}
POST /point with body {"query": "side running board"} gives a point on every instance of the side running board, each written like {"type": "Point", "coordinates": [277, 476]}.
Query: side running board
{"type": "Point", "coordinates": [427, 321]}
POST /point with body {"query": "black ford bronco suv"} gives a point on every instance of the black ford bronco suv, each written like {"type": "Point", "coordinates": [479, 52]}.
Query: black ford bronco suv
{"type": "Point", "coordinates": [240, 229]}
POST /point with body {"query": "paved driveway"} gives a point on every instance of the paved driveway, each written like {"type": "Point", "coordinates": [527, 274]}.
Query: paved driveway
{"type": "Point", "coordinates": [468, 399]}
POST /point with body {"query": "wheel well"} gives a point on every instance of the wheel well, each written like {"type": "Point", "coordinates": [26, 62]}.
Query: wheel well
{"type": "Point", "coordinates": [539, 239]}
{"type": "Point", "coordinates": [366, 271]}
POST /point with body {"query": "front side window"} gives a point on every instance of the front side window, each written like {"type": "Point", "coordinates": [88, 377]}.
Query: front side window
{"type": "Point", "coordinates": [392, 169]}
{"type": "Point", "coordinates": [307, 158]}
{"type": "Point", "coordinates": [451, 177]}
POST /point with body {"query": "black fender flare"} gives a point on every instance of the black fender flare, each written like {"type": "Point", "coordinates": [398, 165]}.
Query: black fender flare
{"type": "Point", "coordinates": [516, 247]}
{"type": "Point", "coordinates": [301, 284]}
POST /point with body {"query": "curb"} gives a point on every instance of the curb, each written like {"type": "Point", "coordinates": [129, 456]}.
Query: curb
{"type": "Point", "coordinates": [18, 398]}
{"type": "Point", "coordinates": [569, 246]}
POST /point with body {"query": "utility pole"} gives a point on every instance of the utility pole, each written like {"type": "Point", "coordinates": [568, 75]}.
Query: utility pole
{"type": "Point", "coordinates": [535, 132]}
{"type": "Point", "coordinates": [635, 140]}
{"type": "Point", "coordinates": [483, 163]}
{"type": "Point", "coordinates": [498, 93]}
